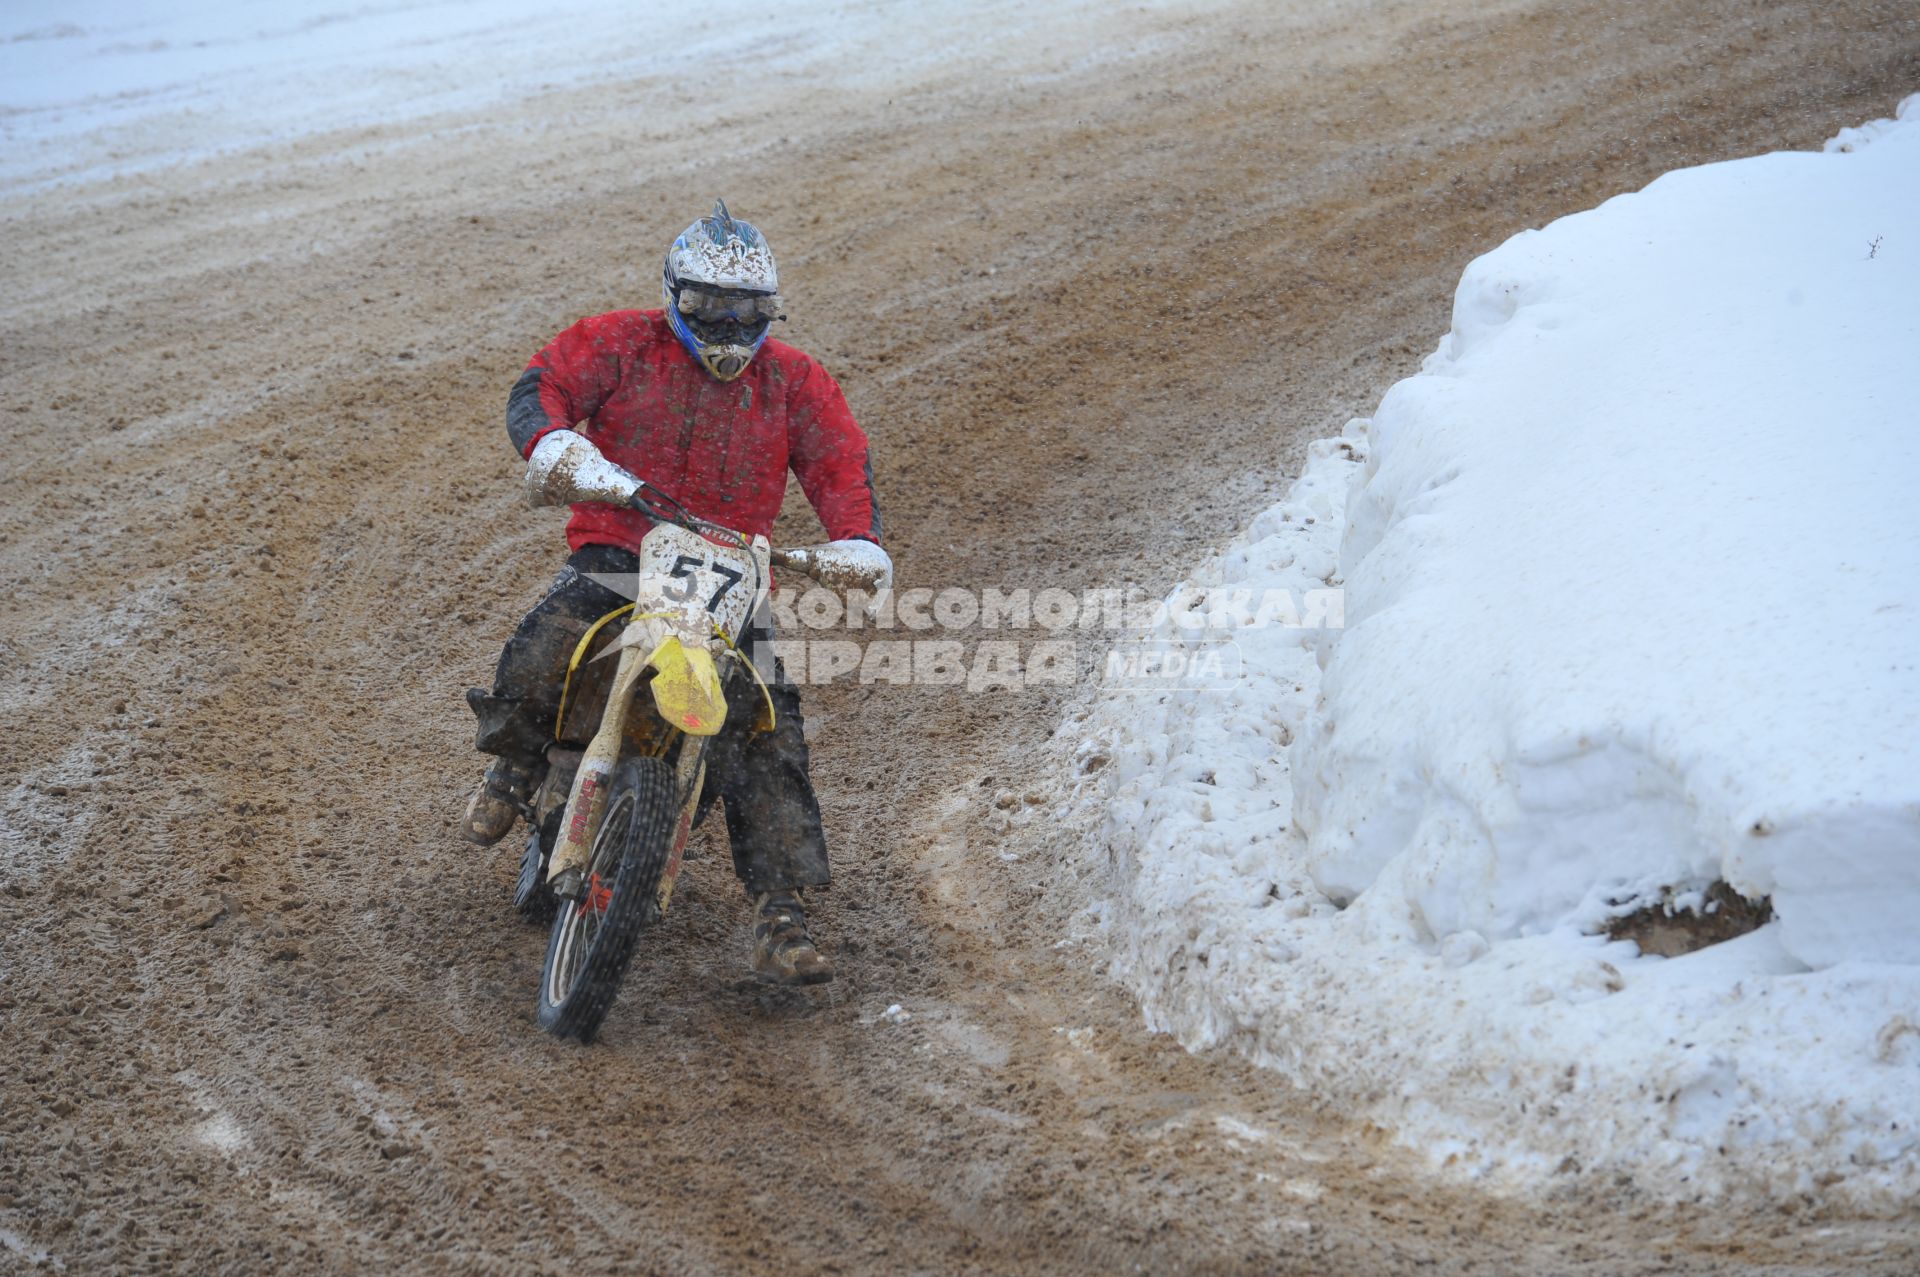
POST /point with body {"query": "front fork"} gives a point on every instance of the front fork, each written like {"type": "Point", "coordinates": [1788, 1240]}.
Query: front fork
{"type": "Point", "coordinates": [587, 802]}
{"type": "Point", "coordinates": [689, 776]}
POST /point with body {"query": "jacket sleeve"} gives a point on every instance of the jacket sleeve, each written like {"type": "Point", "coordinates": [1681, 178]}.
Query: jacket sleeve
{"type": "Point", "coordinates": [565, 383]}
{"type": "Point", "coordinates": [828, 451]}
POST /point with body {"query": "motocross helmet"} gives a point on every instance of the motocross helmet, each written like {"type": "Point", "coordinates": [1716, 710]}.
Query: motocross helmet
{"type": "Point", "coordinates": [722, 292]}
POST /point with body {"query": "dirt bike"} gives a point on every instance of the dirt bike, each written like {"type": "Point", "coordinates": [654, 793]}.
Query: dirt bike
{"type": "Point", "coordinates": [610, 821]}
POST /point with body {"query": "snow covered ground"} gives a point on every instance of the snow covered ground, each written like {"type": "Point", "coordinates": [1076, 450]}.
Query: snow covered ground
{"type": "Point", "coordinates": [90, 88]}
{"type": "Point", "coordinates": [1632, 579]}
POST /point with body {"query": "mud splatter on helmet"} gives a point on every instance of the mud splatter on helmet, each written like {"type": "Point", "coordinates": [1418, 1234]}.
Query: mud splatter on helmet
{"type": "Point", "coordinates": [722, 291]}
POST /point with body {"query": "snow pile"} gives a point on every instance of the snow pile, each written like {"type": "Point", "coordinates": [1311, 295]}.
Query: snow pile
{"type": "Point", "coordinates": [1633, 605]}
{"type": "Point", "coordinates": [1634, 573]}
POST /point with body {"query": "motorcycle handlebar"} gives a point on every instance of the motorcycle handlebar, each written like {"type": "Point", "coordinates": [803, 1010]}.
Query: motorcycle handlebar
{"type": "Point", "coordinates": [834, 566]}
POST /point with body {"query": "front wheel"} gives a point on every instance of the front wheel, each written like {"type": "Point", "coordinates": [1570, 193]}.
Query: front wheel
{"type": "Point", "coordinates": [593, 937]}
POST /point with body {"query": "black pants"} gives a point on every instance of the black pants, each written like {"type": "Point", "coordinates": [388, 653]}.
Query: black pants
{"type": "Point", "coordinates": [773, 818]}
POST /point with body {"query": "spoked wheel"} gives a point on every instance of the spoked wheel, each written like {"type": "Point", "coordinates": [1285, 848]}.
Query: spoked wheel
{"type": "Point", "coordinates": [593, 937]}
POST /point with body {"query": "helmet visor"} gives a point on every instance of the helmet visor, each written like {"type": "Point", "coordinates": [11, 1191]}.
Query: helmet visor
{"type": "Point", "coordinates": [711, 306]}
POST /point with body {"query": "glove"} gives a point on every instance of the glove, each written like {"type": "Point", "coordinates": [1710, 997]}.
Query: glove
{"type": "Point", "coordinates": [878, 565]}
{"type": "Point", "coordinates": [872, 562]}
{"type": "Point", "coordinates": [565, 468]}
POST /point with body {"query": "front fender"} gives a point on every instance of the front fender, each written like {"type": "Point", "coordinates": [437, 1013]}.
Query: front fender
{"type": "Point", "coordinates": [686, 687]}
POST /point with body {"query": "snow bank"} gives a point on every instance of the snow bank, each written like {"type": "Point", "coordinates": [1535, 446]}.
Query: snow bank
{"type": "Point", "coordinates": [1632, 582]}
{"type": "Point", "coordinates": [1634, 573]}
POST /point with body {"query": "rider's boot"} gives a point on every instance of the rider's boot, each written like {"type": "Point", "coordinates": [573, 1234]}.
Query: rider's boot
{"type": "Point", "coordinates": [783, 952]}
{"type": "Point", "coordinates": [505, 792]}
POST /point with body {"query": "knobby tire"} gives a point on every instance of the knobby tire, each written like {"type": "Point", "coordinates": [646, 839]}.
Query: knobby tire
{"type": "Point", "coordinates": [593, 938]}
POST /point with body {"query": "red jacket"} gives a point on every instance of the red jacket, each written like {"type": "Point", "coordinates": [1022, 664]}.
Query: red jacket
{"type": "Point", "coordinates": [720, 448]}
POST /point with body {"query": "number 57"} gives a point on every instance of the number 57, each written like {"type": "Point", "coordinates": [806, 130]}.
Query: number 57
{"type": "Point", "coordinates": [682, 570]}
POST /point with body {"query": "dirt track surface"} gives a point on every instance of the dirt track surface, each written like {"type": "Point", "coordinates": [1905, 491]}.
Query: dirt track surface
{"type": "Point", "coordinates": [262, 1011]}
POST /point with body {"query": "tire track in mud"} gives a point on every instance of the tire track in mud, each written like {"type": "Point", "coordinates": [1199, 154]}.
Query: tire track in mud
{"type": "Point", "coordinates": [266, 1012]}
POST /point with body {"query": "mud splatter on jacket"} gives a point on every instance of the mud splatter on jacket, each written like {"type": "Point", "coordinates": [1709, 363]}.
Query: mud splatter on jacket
{"type": "Point", "coordinates": [722, 449]}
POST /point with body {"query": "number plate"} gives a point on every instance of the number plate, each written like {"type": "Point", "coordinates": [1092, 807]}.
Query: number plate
{"type": "Point", "coordinates": [701, 583]}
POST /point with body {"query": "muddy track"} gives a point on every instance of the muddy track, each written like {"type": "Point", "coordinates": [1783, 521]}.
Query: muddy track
{"type": "Point", "coordinates": [263, 1012]}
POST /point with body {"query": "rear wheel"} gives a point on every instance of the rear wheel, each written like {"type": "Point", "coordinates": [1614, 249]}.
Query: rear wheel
{"type": "Point", "coordinates": [593, 937]}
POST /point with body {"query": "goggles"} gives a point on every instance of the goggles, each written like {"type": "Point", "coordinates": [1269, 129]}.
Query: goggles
{"type": "Point", "coordinates": [711, 307]}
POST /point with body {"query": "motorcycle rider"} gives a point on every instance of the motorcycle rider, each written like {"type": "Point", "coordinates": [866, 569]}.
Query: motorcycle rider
{"type": "Point", "coordinates": [698, 402]}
